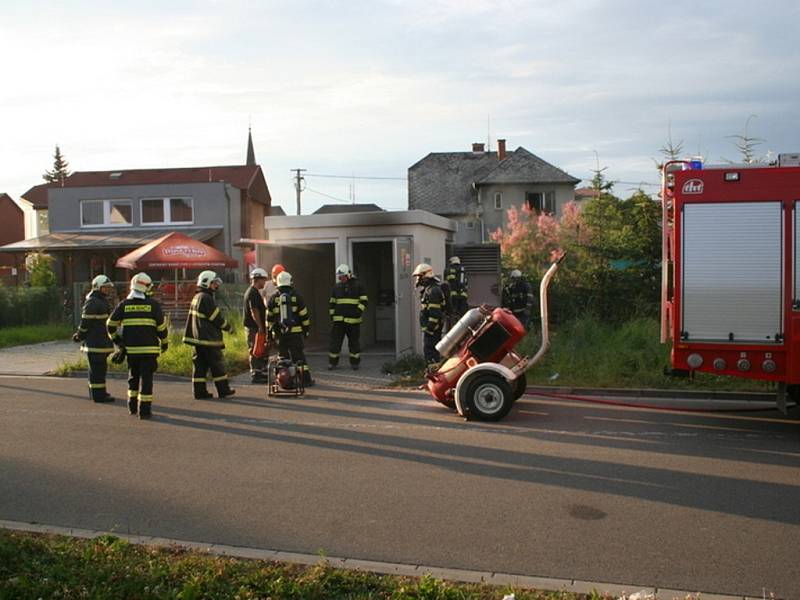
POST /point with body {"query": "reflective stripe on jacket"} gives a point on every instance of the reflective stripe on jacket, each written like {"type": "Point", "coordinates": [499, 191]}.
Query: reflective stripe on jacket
{"type": "Point", "coordinates": [456, 278]}
{"type": "Point", "coordinates": [301, 321]}
{"type": "Point", "coordinates": [92, 330]}
{"type": "Point", "coordinates": [143, 326]}
{"type": "Point", "coordinates": [348, 302]}
{"type": "Point", "coordinates": [431, 305]}
{"type": "Point", "coordinates": [205, 323]}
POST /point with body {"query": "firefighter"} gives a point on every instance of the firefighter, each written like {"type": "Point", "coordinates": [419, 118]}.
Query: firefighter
{"type": "Point", "coordinates": [431, 313]}
{"type": "Point", "coordinates": [456, 278]}
{"type": "Point", "coordinates": [518, 297]}
{"type": "Point", "coordinates": [204, 327]}
{"type": "Point", "coordinates": [254, 313]}
{"type": "Point", "coordinates": [143, 338]}
{"type": "Point", "coordinates": [346, 307]}
{"type": "Point", "coordinates": [289, 323]}
{"type": "Point", "coordinates": [93, 335]}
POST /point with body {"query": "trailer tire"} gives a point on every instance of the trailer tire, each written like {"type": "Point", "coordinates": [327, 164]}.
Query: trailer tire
{"type": "Point", "coordinates": [520, 385]}
{"type": "Point", "coordinates": [487, 397]}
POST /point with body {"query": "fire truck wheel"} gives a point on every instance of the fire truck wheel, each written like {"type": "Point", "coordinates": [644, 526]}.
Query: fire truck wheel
{"type": "Point", "coordinates": [520, 385]}
{"type": "Point", "coordinates": [488, 397]}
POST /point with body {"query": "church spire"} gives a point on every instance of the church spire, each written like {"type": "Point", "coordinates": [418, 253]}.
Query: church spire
{"type": "Point", "coordinates": [251, 154]}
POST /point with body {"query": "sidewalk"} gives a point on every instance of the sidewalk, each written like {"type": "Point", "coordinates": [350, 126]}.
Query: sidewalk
{"type": "Point", "coordinates": [37, 359]}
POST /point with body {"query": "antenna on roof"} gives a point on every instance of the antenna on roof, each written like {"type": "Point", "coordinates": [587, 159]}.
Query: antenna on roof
{"type": "Point", "coordinates": [488, 133]}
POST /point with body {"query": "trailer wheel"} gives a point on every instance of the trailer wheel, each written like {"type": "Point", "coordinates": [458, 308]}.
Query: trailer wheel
{"type": "Point", "coordinates": [520, 385]}
{"type": "Point", "coordinates": [487, 397]}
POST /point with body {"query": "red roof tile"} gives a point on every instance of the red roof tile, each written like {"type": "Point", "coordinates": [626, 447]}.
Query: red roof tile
{"type": "Point", "coordinates": [37, 195]}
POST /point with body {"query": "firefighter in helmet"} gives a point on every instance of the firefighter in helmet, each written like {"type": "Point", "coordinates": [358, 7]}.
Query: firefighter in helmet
{"type": "Point", "coordinates": [254, 313]}
{"type": "Point", "coordinates": [456, 278]}
{"type": "Point", "coordinates": [346, 307]}
{"type": "Point", "coordinates": [431, 313]}
{"type": "Point", "coordinates": [93, 336]}
{"type": "Point", "coordinates": [289, 323]}
{"type": "Point", "coordinates": [204, 327]}
{"type": "Point", "coordinates": [518, 297]}
{"type": "Point", "coordinates": [142, 339]}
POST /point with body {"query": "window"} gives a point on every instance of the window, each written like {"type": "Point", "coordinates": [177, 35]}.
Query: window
{"type": "Point", "coordinates": [470, 224]}
{"type": "Point", "coordinates": [541, 202]}
{"type": "Point", "coordinates": [159, 211]}
{"type": "Point", "coordinates": [43, 219]}
{"type": "Point", "coordinates": [99, 213]}
{"type": "Point", "coordinates": [498, 200]}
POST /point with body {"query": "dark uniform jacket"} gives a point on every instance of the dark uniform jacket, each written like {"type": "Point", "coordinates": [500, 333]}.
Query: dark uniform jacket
{"type": "Point", "coordinates": [517, 296]}
{"type": "Point", "coordinates": [92, 331]}
{"type": "Point", "coordinates": [253, 303]}
{"type": "Point", "coordinates": [456, 278]}
{"type": "Point", "coordinates": [348, 302]}
{"type": "Point", "coordinates": [431, 304]}
{"type": "Point", "coordinates": [293, 318]}
{"type": "Point", "coordinates": [144, 329]}
{"type": "Point", "coordinates": [205, 323]}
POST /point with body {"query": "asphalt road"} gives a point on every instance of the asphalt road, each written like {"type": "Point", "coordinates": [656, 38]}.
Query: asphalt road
{"type": "Point", "coordinates": [565, 489]}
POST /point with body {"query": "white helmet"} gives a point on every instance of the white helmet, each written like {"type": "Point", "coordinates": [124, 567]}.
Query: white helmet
{"type": "Point", "coordinates": [206, 278]}
{"type": "Point", "coordinates": [258, 273]}
{"type": "Point", "coordinates": [454, 260]}
{"type": "Point", "coordinates": [343, 270]}
{"type": "Point", "coordinates": [516, 274]}
{"type": "Point", "coordinates": [100, 281]}
{"type": "Point", "coordinates": [141, 282]}
{"type": "Point", "coordinates": [423, 271]}
{"type": "Point", "coordinates": [283, 279]}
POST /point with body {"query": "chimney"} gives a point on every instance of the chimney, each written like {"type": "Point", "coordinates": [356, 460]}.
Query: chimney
{"type": "Point", "coordinates": [477, 147]}
{"type": "Point", "coordinates": [501, 149]}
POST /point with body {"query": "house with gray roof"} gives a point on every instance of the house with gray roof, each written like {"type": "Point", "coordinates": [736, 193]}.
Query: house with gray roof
{"type": "Point", "coordinates": [476, 188]}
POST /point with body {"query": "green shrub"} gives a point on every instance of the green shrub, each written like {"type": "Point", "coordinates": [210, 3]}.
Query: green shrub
{"type": "Point", "coordinates": [31, 305]}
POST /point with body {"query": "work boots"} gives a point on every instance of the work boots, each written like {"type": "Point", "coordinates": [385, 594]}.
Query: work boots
{"type": "Point", "coordinates": [145, 410]}
{"type": "Point", "coordinates": [224, 389]}
{"type": "Point", "coordinates": [200, 391]}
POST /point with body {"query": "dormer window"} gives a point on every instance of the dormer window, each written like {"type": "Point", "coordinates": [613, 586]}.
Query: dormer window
{"type": "Point", "coordinates": [106, 213]}
{"type": "Point", "coordinates": [164, 211]}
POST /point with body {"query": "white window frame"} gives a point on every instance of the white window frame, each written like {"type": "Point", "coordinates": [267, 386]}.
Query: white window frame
{"type": "Point", "coordinates": [107, 212]}
{"type": "Point", "coordinates": [167, 207]}
{"type": "Point", "coordinates": [498, 200]}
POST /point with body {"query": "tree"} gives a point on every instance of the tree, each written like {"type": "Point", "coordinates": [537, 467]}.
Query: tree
{"type": "Point", "coordinates": [746, 144]}
{"type": "Point", "coordinates": [670, 150]}
{"type": "Point", "coordinates": [40, 270]}
{"type": "Point", "coordinates": [60, 169]}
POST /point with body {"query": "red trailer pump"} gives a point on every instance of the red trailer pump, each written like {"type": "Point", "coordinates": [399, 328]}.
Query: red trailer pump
{"type": "Point", "coordinates": [481, 375]}
{"type": "Point", "coordinates": [730, 297]}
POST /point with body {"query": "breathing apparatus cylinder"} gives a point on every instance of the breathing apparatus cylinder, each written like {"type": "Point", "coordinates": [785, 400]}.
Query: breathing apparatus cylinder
{"type": "Point", "coordinates": [470, 321]}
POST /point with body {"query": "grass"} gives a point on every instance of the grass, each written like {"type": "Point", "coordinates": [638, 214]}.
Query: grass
{"type": "Point", "coordinates": [589, 353]}
{"type": "Point", "coordinates": [177, 360]}
{"type": "Point", "coordinates": [33, 334]}
{"type": "Point", "coordinates": [47, 566]}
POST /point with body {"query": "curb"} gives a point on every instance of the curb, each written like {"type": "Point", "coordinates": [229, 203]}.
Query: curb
{"type": "Point", "coordinates": [552, 584]}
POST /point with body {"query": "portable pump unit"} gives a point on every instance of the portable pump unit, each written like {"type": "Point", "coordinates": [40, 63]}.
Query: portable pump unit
{"type": "Point", "coordinates": [481, 375]}
{"type": "Point", "coordinates": [285, 378]}
{"type": "Point", "coordinates": [730, 289]}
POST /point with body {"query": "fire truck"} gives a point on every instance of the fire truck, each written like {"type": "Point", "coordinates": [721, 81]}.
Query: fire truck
{"type": "Point", "coordinates": [730, 293]}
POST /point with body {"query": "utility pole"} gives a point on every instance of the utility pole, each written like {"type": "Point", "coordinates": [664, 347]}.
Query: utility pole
{"type": "Point", "coordinates": [299, 185]}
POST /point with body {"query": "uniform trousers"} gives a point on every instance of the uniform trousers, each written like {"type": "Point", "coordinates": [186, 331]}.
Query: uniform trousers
{"type": "Point", "coordinates": [290, 345]}
{"type": "Point", "coordinates": [98, 367]}
{"type": "Point", "coordinates": [205, 359]}
{"type": "Point", "coordinates": [458, 305]}
{"type": "Point", "coordinates": [140, 376]}
{"type": "Point", "coordinates": [353, 332]}
{"type": "Point", "coordinates": [429, 341]}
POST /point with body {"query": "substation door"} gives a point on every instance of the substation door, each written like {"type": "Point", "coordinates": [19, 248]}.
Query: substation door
{"type": "Point", "coordinates": [313, 269]}
{"type": "Point", "coordinates": [404, 288]}
{"type": "Point", "coordinates": [373, 264]}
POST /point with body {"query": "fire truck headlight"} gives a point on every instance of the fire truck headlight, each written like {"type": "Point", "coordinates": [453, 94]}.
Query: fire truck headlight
{"type": "Point", "coordinates": [694, 361]}
{"type": "Point", "coordinates": [720, 364]}
{"type": "Point", "coordinates": [743, 364]}
{"type": "Point", "coordinates": [769, 366]}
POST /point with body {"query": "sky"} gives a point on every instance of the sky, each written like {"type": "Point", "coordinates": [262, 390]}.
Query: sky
{"type": "Point", "coordinates": [363, 90]}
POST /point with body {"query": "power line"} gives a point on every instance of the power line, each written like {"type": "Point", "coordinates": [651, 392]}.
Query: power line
{"type": "Point", "coordinates": [356, 177]}
{"type": "Point", "coordinates": [308, 189]}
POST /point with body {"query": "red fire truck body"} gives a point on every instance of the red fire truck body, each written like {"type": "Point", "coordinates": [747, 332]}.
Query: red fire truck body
{"type": "Point", "coordinates": [730, 299]}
